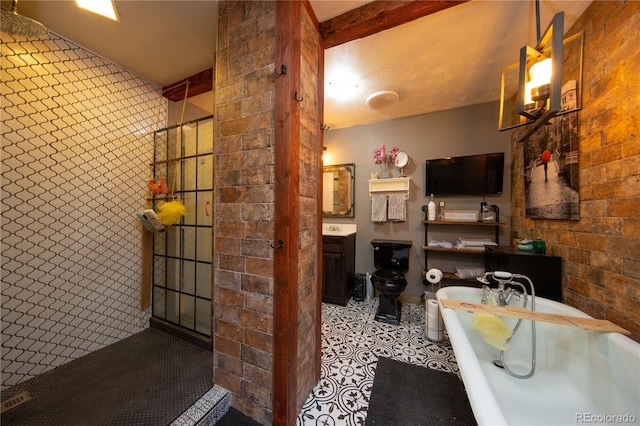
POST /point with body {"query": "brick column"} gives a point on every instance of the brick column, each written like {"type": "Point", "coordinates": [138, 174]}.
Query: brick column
{"type": "Point", "coordinates": [257, 298]}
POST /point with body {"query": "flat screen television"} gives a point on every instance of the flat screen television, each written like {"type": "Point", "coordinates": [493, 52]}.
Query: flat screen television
{"type": "Point", "coordinates": [480, 174]}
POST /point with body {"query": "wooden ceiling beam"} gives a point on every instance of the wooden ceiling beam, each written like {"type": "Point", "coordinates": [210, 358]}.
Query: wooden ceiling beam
{"type": "Point", "coordinates": [198, 83]}
{"type": "Point", "coordinates": [378, 16]}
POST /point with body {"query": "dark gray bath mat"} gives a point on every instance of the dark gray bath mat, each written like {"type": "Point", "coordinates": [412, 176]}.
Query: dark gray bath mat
{"type": "Point", "coordinates": [236, 418]}
{"type": "Point", "coordinates": [409, 395]}
{"type": "Point", "coordinates": [149, 378]}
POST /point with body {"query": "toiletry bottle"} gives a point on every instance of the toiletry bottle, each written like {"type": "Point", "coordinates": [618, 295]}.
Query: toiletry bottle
{"type": "Point", "coordinates": [441, 211]}
{"type": "Point", "coordinates": [431, 209]}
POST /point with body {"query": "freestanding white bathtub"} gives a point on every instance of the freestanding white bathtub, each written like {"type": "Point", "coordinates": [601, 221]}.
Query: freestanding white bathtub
{"type": "Point", "coordinates": [581, 377]}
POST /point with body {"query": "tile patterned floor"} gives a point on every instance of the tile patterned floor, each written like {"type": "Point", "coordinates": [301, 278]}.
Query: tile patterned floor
{"type": "Point", "coordinates": [352, 341]}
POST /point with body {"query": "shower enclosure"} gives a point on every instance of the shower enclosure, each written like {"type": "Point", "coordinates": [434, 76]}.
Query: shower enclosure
{"type": "Point", "coordinates": [182, 253]}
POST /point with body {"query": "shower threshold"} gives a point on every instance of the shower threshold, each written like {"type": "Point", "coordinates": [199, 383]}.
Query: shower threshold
{"type": "Point", "coordinates": [182, 333]}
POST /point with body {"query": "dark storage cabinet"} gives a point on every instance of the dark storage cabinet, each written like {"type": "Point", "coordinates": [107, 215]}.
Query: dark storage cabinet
{"type": "Point", "coordinates": [338, 266]}
{"type": "Point", "coordinates": [543, 270]}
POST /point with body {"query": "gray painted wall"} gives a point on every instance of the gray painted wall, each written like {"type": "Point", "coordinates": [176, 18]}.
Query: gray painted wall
{"type": "Point", "coordinates": [463, 131]}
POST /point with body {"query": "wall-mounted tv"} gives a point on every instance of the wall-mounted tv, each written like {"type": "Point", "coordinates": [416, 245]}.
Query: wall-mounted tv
{"type": "Point", "coordinates": [480, 174]}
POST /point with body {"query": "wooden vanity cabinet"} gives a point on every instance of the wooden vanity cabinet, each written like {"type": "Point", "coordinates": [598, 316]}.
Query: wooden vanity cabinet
{"type": "Point", "coordinates": [338, 266]}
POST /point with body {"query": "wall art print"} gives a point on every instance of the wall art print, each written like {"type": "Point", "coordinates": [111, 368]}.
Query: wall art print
{"type": "Point", "coordinates": [551, 165]}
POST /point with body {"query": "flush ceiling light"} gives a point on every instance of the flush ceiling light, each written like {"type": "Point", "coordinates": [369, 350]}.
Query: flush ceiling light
{"type": "Point", "coordinates": [542, 93]}
{"type": "Point", "coordinates": [342, 82]}
{"type": "Point", "coordinates": [104, 8]}
{"type": "Point", "coordinates": [382, 99]}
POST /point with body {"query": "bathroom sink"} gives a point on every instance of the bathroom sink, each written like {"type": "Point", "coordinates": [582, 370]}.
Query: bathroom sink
{"type": "Point", "coordinates": [338, 230]}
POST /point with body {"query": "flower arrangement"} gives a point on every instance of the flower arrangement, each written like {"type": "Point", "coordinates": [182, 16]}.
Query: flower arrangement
{"type": "Point", "coordinates": [394, 153]}
{"type": "Point", "coordinates": [380, 156]}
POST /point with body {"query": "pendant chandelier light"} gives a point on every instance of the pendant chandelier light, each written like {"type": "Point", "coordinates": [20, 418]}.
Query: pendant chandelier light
{"type": "Point", "coordinates": [542, 93]}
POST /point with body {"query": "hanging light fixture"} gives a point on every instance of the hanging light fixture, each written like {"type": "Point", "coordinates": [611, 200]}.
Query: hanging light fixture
{"type": "Point", "coordinates": [540, 75]}
{"type": "Point", "coordinates": [14, 24]}
{"type": "Point", "coordinates": [540, 79]}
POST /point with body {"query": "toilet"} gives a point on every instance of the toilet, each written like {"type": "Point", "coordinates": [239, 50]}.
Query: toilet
{"type": "Point", "coordinates": [391, 259]}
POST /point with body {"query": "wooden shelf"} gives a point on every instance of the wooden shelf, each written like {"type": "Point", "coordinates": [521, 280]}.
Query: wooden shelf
{"type": "Point", "coordinates": [453, 250]}
{"type": "Point", "coordinates": [173, 160]}
{"type": "Point", "coordinates": [445, 275]}
{"type": "Point", "coordinates": [486, 228]}
{"type": "Point", "coordinates": [390, 185]}
{"type": "Point", "coordinates": [451, 276]}
{"type": "Point", "coordinates": [461, 222]}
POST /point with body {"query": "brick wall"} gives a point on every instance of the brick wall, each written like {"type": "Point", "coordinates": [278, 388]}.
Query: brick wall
{"type": "Point", "coordinates": [244, 299]}
{"type": "Point", "coordinates": [243, 260]}
{"type": "Point", "coordinates": [601, 251]}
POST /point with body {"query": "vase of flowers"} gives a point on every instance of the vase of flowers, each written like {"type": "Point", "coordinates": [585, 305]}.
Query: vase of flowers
{"type": "Point", "coordinates": [381, 158]}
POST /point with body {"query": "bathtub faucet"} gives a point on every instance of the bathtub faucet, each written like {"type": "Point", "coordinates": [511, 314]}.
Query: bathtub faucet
{"type": "Point", "coordinates": [501, 297]}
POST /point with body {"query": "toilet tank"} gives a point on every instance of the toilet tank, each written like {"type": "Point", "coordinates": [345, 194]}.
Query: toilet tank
{"type": "Point", "coordinates": [391, 254]}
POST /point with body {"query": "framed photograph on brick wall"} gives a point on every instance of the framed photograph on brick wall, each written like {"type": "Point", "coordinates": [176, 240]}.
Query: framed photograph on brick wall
{"type": "Point", "coordinates": [551, 165]}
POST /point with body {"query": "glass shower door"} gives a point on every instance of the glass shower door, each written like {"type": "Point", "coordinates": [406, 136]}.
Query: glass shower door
{"type": "Point", "coordinates": [183, 253]}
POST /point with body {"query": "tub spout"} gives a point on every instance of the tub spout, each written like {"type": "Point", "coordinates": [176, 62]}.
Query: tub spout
{"type": "Point", "coordinates": [483, 279]}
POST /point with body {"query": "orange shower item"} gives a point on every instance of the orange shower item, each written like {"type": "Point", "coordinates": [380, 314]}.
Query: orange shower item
{"type": "Point", "coordinates": [160, 187]}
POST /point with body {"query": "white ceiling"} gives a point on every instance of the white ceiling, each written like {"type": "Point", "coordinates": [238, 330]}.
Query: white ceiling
{"type": "Point", "coordinates": [162, 41]}
{"type": "Point", "coordinates": [450, 59]}
{"type": "Point", "coordinates": [446, 60]}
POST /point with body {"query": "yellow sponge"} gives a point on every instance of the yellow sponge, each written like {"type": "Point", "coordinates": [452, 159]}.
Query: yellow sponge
{"type": "Point", "coordinates": [170, 212]}
{"type": "Point", "coordinates": [494, 329]}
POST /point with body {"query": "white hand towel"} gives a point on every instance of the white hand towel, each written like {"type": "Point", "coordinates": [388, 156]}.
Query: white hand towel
{"type": "Point", "coordinates": [378, 208]}
{"type": "Point", "coordinates": [397, 210]}
{"type": "Point", "coordinates": [477, 242]}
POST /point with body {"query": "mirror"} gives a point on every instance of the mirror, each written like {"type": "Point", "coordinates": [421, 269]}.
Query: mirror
{"type": "Point", "coordinates": [337, 190]}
